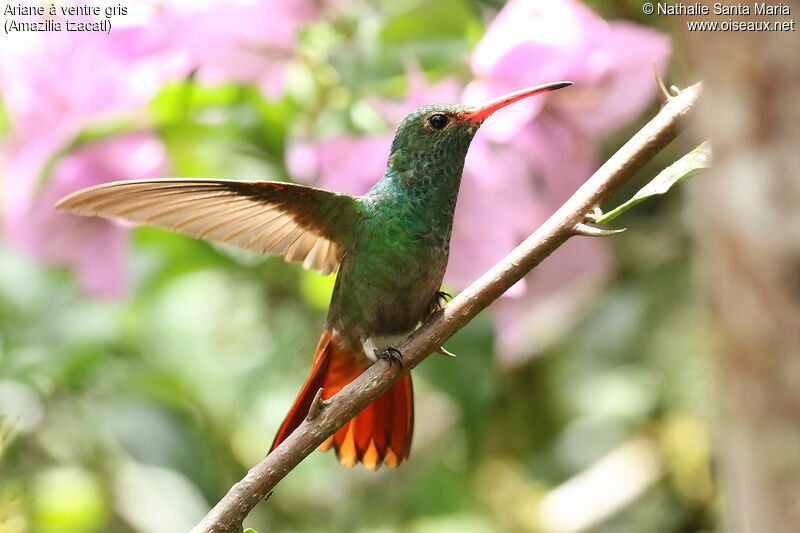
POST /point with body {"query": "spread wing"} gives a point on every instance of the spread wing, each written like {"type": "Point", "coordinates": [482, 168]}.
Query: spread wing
{"type": "Point", "coordinates": [300, 223]}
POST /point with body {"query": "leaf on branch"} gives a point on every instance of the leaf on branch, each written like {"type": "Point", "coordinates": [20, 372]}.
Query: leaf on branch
{"type": "Point", "coordinates": [593, 231]}
{"type": "Point", "coordinates": [685, 167]}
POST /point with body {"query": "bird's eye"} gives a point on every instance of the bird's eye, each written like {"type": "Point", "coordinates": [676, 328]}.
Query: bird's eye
{"type": "Point", "coordinates": [438, 121]}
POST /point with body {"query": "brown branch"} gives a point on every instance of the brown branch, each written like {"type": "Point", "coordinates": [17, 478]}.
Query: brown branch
{"type": "Point", "coordinates": [228, 514]}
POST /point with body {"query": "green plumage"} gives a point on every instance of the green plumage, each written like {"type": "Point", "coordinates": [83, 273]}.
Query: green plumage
{"type": "Point", "coordinates": [389, 277]}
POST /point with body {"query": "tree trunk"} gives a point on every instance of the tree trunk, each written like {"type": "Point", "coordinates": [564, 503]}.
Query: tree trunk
{"type": "Point", "coordinates": [747, 212]}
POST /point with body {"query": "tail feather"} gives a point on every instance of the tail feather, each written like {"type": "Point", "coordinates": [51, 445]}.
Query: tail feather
{"type": "Point", "coordinates": [403, 416]}
{"type": "Point", "coordinates": [363, 426]}
{"type": "Point", "coordinates": [302, 404]}
{"type": "Point", "coordinates": [380, 433]}
{"type": "Point", "coordinates": [381, 429]}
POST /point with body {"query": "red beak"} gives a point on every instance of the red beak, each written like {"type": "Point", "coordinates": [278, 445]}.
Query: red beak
{"type": "Point", "coordinates": [479, 113]}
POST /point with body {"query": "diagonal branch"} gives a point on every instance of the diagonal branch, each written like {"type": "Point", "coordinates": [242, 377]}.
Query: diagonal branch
{"type": "Point", "coordinates": [228, 514]}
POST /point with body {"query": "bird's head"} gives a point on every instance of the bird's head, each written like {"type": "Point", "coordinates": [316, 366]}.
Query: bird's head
{"type": "Point", "coordinates": [436, 137]}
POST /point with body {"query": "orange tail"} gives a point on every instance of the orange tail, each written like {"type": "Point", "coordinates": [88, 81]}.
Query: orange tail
{"type": "Point", "coordinates": [380, 433]}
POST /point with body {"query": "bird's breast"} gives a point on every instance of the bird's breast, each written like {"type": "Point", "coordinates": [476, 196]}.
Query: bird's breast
{"type": "Point", "coordinates": [388, 280]}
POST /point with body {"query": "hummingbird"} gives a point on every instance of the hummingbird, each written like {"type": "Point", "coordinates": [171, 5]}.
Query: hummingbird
{"type": "Point", "coordinates": [390, 247]}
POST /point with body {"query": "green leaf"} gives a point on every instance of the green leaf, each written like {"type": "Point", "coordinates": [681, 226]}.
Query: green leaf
{"type": "Point", "coordinates": [68, 500]}
{"type": "Point", "coordinates": [5, 122]}
{"type": "Point", "coordinates": [249, 530]}
{"type": "Point", "coordinates": [685, 167]}
{"type": "Point", "coordinates": [316, 288]}
{"type": "Point", "coordinates": [419, 22]}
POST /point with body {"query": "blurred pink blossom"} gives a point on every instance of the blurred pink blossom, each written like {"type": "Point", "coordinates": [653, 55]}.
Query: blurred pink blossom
{"type": "Point", "coordinates": [243, 41]}
{"type": "Point", "coordinates": [94, 247]}
{"type": "Point", "coordinates": [55, 81]}
{"type": "Point", "coordinates": [538, 41]}
{"type": "Point", "coordinates": [343, 163]}
{"type": "Point", "coordinates": [54, 85]}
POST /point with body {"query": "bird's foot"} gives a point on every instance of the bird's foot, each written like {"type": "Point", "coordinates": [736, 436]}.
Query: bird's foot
{"type": "Point", "coordinates": [440, 299]}
{"type": "Point", "coordinates": [391, 354]}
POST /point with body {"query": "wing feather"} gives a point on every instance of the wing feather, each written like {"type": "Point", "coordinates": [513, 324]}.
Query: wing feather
{"type": "Point", "coordinates": [303, 224]}
{"type": "Point", "coordinates": [299, 248]}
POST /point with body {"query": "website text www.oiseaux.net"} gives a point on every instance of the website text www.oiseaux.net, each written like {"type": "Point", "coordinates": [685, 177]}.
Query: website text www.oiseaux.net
{"type": "Point", "coordinates": [781, 12]}
{"type": "Point", "coordinates": [740, 25]}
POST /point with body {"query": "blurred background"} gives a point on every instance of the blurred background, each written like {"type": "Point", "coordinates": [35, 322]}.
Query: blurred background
{"type": "Point", "coordinates": [142, 372]}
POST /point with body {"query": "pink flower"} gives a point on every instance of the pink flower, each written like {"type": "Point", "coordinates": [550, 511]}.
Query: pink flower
{"type": "Point", "coordinates": [532, 42]}
{"type": "Point", "coordinates": [555, 291]}
{"type": "Point", "coordinates": [343, 163]}
{"type": "Point", "coordinates": [53, 86]}
{"type": "Point", "coordinates": [245, 41]}
{"type": "Point", "coordinates": [509, 189]}
{"type": "Point", "coordinates": [537, 41]}
{"type": "Point", "coordinates": [561, 159]}
{"type": "Point", "coordinates": [54, 81]}
{"type": "Point", "coordinates": [94, 247]}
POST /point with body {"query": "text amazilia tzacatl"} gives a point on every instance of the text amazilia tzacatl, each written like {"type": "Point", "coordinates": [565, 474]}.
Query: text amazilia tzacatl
{"type": "Point", "coordinates": [390, 246]}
